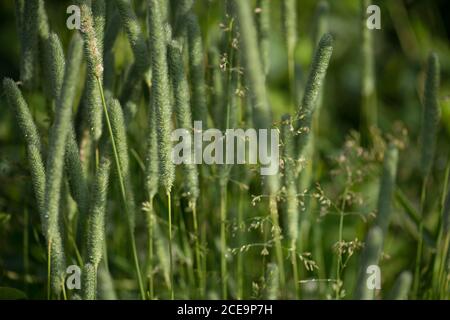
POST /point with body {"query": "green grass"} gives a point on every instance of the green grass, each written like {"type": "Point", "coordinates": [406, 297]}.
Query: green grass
{"type": "Point", "coordinates": [86, 145]}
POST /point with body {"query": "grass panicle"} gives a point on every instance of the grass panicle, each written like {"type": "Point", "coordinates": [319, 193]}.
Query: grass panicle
{"type": "Point", "coordinates": [119, 132]}
{"type": "Point", "coordinates": [99, 18]}
{"type": "Point", "coordinates": [89, 281]}
{"type": "Point", "coordinates": [314, 84]}
{"type": "Point", "coordinates": [56, 62]}
{"type": "Point", "coordinates": [97, 207]}
{"type": "Point", "coordinates": [161, 95]}
{"type": "Point", "coordinates": [183, 113]}
{"type": "Point", "coordinates": [94, 58]}
{"type": "Point", "coordinates": [33, 141]}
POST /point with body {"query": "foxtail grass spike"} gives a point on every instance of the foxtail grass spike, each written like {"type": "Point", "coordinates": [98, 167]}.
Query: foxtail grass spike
{"type": "Point", "coordinates": [55, 160]}
{"type": "Point", "coordinates": [135, 35]}
{"type": "Point", "coordinates": [97, 207]}
{"type": "Point", "coordinates": [402, 286]}
{"type": "Point", "coordinates": [183, 113]}
{"type": "Point", "coordinates": [263, 26]}
{"type": "Point", "coordinates": [152, 161]}
{"type": "Point", "coordinates": [33, 141]}
{"type": "Point", "coordinates": [75, 173]}
{"type": "Point", "coordinates": [387, 187]}
{"type": "Point", "coordinates": [313, 86]}
{"type": "Point", "coordinates": [161, 95]}
{"type": "Point", "coordinates": [370, 257]}
{"type": "Point", "coordinates": [89, 282]}
{"type": "Point", "coordinates": [56, 62]}
{"type": "Point", "coordinates": [431, 115]}
{"type": "Point", "coordinates": [94, 58]}
{"type": "Point", "coordinates": [119, 132]}
{"type": "Point", "coordinates": [196, 70]}
{"type": "Point", "coordinates": [99, 18]}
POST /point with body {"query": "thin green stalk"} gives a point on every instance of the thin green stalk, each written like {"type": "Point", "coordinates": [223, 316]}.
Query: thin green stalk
{"type": "Point", "coordinates": [223, 241]}
{"type": "Point", "coordinates": [340, 240]}
{"type": "Point", "coordinates": [169, 214]}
